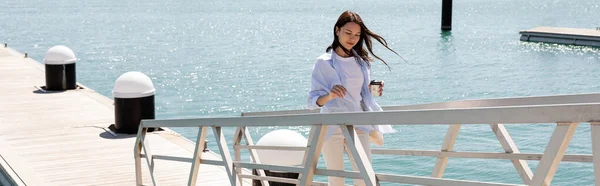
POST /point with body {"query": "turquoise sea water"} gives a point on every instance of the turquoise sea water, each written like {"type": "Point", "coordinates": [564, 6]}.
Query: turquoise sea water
{"type": "Point", "coordinates": [221, 58]}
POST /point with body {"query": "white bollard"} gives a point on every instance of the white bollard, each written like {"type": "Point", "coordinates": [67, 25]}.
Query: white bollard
{"type": "Point", "coordinates": [134, 100]}
{"type": "Point", "coordinates": [60, 68]}
{"type": "Point", "coordinates": [282, 137]}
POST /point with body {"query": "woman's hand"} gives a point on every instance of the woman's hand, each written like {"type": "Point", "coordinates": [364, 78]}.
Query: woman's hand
{"type": "Point", "coordinates": [337, 91]}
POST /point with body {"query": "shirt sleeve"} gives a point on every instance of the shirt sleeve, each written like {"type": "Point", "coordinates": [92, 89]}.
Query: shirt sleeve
{"type": "Point", "coordinates": [322, 79]}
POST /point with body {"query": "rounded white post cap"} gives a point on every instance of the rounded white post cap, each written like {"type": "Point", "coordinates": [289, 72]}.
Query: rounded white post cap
{"type": "Point", "coordinates": [281, 137]}
{"type": "Point", "coordinates": [59, 55]}
{"type": "Point", "coordinates": [133, 85]}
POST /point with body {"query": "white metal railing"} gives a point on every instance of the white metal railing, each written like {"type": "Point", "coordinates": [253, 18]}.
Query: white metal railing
{"type": "Point", "coordinates": [566, 111]}
{"type": "Point", "coordinates": [496, 102]}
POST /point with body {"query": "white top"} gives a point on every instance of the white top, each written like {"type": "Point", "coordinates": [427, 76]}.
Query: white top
{"type": "Point", "coordinates": [352, 80]}
{"type": "Point", "coordinates": [282, 137]}
{"type": "Point", "coordinates": [59, 55]}
{"type": "Point", "coordinates": [133, 85]}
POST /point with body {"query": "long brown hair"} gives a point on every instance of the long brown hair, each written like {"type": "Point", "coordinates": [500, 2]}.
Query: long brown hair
{"type": "Point", "coordinates": [365, 37]}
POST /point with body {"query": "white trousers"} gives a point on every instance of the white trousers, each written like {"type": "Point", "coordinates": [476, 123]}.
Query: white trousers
{"type": "Point", "coordinates": [333, 153]}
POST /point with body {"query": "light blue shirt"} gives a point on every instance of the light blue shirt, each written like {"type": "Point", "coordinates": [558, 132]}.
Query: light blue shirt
{"type": "Point", "coordinates": [327, 73]}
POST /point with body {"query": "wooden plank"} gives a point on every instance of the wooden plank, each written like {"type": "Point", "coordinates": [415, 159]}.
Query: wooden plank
{"type": "Point", "coordinates": [480, 155]}
{"type": "Point", "coordinates": [510, 147]}
{"type": "Point", "coordinates": [311, 157]}
{"type": "Point", "coordinates": [595, 127]}
{"type": "Point", "coordinates": [447, 145]}
{"type": "Point", "coordinates": [168, 173]}
{"type": "Point", "coordinates": [553, 154]}
{"type": "Point", "coordinates": [363, 163]}
{"type": "Point", "coordinates": [197, 156]}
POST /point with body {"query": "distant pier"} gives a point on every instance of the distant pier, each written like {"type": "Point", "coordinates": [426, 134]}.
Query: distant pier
{"type": "Point", "coordinates": [570, 36]}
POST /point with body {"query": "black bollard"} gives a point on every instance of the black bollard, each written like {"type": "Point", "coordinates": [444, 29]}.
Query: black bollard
{"type": "Point", "coordinates": [130, 111]}
{"type": "Point", "coordinates": [134, 100]}
{"type": "Point", "coordinates": [61, 77]}
{"type": "Point", "coordinates": [290, 175]}
{"type": "Point", "coordinates": [60, 69]}
{"type": "Point", "coordinates": [446, 15]}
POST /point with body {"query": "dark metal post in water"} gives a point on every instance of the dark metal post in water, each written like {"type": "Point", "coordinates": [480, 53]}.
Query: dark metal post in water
{"type": "Point", "coordinates": [446, 15]}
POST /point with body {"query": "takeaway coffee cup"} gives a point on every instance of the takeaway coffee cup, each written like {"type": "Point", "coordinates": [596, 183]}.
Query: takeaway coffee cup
{"type": "Point", "coordinates": [375, 86]}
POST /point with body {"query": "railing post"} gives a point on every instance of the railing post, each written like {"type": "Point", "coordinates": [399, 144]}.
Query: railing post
{"type": "Point", "coordinates": [227, 163]}
{"type": "Point", "coordinates": [440, 164]}
{"type": "Point", "coordinates": [595, 126]}
{"type": "Point", "coordinates": [510, 147]}
{"type": "Point", "coordinates": [149, 156]}
{"type": "Point", "coordinates": [197, 156]}
{"type": "Point", "coordinates": [246, 135]}
{"type": "Point", "coordinates": [311, 157]}
{"type": "Point", "coordinates": [237, 138]}
{"type": "Point", "coordinates": [137, 154]}
{"type": "Point", "coordinates": [555, 150]}
{"type": "Point", "coordinates": [360, 156]}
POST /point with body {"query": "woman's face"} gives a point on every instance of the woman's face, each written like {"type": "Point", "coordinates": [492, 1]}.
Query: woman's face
{"type": "Point", "coordinates": [348, 35]}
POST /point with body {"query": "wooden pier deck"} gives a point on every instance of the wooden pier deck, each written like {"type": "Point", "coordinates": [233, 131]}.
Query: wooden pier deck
{"type": "Point", "coordinates": [61, 138]}
{"type": "Point", "coordinates": [572, 36]}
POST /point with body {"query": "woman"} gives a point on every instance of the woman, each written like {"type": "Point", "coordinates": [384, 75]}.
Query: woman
{"type": "Point", "coordinates": [340, 83]}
